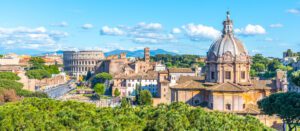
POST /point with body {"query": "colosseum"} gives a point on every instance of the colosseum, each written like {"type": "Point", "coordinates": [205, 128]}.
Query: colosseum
{"type": "Point", "coordinates": [79, 63]}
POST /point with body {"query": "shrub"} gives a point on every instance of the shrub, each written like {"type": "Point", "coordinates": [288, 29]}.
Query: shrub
{"type": "Point", "coordinates": [9, 76]}
{"type": "Point", "coordinates": [38, 74]}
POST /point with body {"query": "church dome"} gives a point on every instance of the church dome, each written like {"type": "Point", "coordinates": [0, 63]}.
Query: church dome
{"type": "Point", "coordinates": [227, 44]}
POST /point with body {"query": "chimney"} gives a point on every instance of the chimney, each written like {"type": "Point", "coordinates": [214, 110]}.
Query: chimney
{"type": "Point", "coordinates": [147, 54]}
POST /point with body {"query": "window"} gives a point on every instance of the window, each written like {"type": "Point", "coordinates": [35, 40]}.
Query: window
{"type": "Point", "coordinates": [196, 102]}
{"type": "Point", "coordinates": [212, 75]}
{"type": "Point", "coordinates": [244, 106]}
{"type": "Point", "coordinates": [228, 106]}
{"type": "Point", "coordinates": [227, 75]}
{"type": "Point", "coordinates": [243, 75]}
{"type": "Point", "coordinates": [211, 105]}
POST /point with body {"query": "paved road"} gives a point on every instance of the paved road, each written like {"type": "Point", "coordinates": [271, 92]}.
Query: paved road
{"type": "Point", "coordinates": [59, 90]}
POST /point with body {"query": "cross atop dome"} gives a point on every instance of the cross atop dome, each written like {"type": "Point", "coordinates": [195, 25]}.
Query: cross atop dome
{"type": "Point", "coordinates": [228, 15]}
{"type": "Point", "coordinates": [228, 25]}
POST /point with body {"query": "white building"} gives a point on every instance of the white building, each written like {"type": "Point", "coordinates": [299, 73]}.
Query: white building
{"type": "Point", "coordinates": [9, 60]}
{"type": "Point", "coordinates": [146, 84]}
{"type": "Point", "coordinates": [128, 85]}
{"type": "Point", "coordinates": [160, 67]}
{"type": "Point", "coordinates": [288, 60]}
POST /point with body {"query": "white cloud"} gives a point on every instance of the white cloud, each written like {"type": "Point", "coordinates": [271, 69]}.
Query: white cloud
{"type": "Point", "coordinates": [255, 51]}
{"type": "Point", "coordinates": [61, 24]}
{"type": "Point", "coordinates": [111, 31]}
{"type": "Point", "coordinates": [145, 40]}
{"type": "Point", "coordinates": [176, 31]}
{"type": "Point", "coordinates": [140, 33]}
{"type": "Point", "coordinates": [30, 38]}
{"type": "Point", "coordinates": [268, 39]}
{"type": "Point", "coordinates": [293, 11]}
{"type": "Point", "coordinates": [201, 32]}
{"type": "Point", "coordinates": [251, 30]}
{"type": "Point", "coordinates": [87, 26]}
{"type": "Point", "coordinates": [150, 26]}
{"type": "Point", "coordinates": [278, 25]}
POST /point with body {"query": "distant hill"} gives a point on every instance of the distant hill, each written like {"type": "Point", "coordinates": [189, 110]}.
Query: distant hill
{"type": "Point", "coordinates": [138, 53]}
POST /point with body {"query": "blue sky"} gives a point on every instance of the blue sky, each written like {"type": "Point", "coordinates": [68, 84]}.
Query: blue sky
{"type": "Point", "coordinates": [182, 26]}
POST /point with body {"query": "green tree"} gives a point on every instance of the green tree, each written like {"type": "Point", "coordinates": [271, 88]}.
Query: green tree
{"type": "Point", "coordinates": [49, 114]}
{"type": "Point", "coordinates": [253, 73]}
{"type": "Point", "coordinates": [9, 76]}
{"type": "Point", "coordinates": [13, 85]}
{"type": "Point", "coordinates": [125, 103]}
{"type": "Point", "coordinates": [296, 77]}
{"type": "Point", "coordinates": [117, 92]}
{"type": "Point", "coordinates": [259, 67]}
{"type": "Point", "coordinates": [274, 65]}
{"type": "Point", "coordinates": [52, 69]}
{"type": "Point", "coordinates": [99, 89]}
{"type": "Point", "coordinates": [145, 98]}
{"type": "Point", "coordinates": [37, 63]}
{"type": "Point", "coordinates": [88, 75]}
{"type": "Point", "coordinates": [38, 74]}
{"type": "Point", "coordinates": [102, 78]}
{"type": "Point", "coordinates": [285, 105]}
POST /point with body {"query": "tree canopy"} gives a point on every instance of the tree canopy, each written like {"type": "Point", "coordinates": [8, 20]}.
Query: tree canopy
{"type": "Point", "coordinates": [101, 77]}
{"type": "Point", "coordinates": [38, 74]}
{"type": "Point", "coordinates": [9, 76]}
{"type": "Point", "coordinates": [285, 105]}
{"type": "Point", "coordinates": [99, 89]}
{"type": "Point", "coordinates": [145, 98]}
{"type": "Point", "coordinates": [11, 88]}
{"type": "Point", "coordinates": [48, 114]}
{"type": "Point", "coordinates": [296, 77]}
{"type": "Point", "coordinates": [39, 70]}
{"type": "Point", "coordinates": [36, 62]}
{"type": "Point", "coordinates": [117, 92]}
{"type": "Point", "coordinates": [266, 68]}
{"type": "Point", "coordinates": [179, 61]}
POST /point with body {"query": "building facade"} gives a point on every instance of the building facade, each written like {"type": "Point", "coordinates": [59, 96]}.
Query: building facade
{"type": "Point", "coordinates": [227, 58]}
{"type": "Point", "coordinates": [79, 63]}
{"type": "Point", "coordinates": [10, 60]}
{"type": "Point", "coordinates": [227, 85]}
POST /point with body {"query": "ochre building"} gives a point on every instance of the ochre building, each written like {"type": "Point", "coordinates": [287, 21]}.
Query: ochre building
{"type": "Point", "coordinates": [227, 85]}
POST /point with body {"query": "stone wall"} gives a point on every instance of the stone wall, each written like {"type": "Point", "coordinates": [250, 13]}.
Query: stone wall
{"type": "Point", "coordinates": [34, 84]}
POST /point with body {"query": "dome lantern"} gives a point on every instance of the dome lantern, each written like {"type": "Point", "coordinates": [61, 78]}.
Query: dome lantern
{"type": "Point", "coordinates": [227, 58]}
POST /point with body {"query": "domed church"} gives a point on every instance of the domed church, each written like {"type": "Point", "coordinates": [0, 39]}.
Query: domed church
{"type": "Point", "coordinates": [227, 85]}
{"type": "Point", "coordinates": [227, 58]}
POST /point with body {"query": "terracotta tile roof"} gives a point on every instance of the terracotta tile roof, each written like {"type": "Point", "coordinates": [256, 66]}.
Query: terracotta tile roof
{"type": "Point", "coordinates": [183, 79]}
{"type": "Point", "coordinates": [180, 70]}
{"type": "Point", "coordinates": [165, 81]}
{"type": "Point", "coordinates": [143, 76]}
{"type": "Point", "coordinates": [227, 87]}
{"type": "Point", "coordinates": [191, 84]}
{"type": "Point", "coordinates": [163, 72]}
{"type": "Point", "coordinates": [185, 82]}
{"type": "Point", "coordinates": [263, 84]}
{"type": "Point", "coordinates": [188, 82]}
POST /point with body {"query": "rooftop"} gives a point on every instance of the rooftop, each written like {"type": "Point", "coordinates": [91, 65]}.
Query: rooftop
{"type": "Point", "coordinates": [180, 70]}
